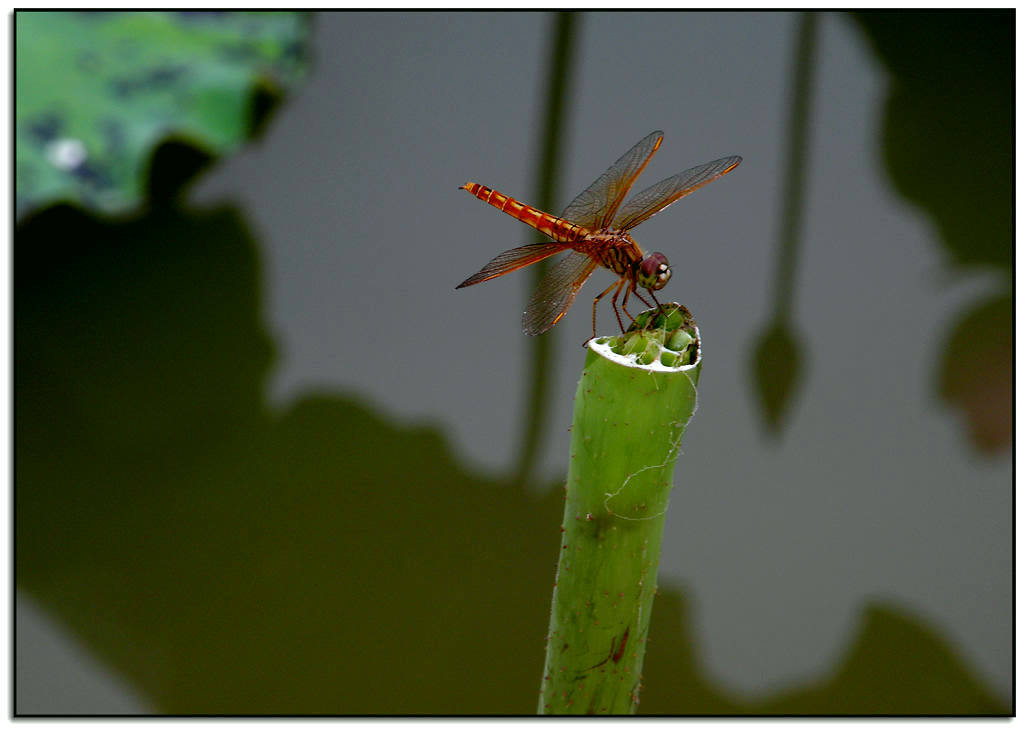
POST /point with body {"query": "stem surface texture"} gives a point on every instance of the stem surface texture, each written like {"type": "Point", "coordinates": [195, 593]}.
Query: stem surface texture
{"type": "Point", "coordinates": [628, 422]}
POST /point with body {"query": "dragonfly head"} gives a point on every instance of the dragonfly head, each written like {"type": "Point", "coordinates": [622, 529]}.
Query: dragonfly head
{"type": "Point", "coordinates": [653, 272]}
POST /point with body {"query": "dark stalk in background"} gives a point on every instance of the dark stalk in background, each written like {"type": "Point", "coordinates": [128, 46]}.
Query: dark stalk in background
{"type": "Point", "coordinates": [778, 361]}
{"type": "Point", "coordinates": [540, 350]}
{"type": "Point", "coordinates": [798, 142]}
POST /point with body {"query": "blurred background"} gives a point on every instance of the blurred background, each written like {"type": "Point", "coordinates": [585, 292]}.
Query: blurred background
{"type": "Point", "coordinates": [268, 460]}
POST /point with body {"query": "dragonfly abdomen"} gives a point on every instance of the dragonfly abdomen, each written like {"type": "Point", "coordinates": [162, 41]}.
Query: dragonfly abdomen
{"type": "Point", "coordinates": [557, 228]}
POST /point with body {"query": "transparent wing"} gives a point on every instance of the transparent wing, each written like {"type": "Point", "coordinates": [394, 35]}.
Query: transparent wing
{"type": "Point", "coordinates": [595, 207]}
{"type": "Point", "coordinates": [513, 259]}
{"type": "Point", "coordinates": [556, 292]}
{"type": "Point", "coordinates": [661, 195]}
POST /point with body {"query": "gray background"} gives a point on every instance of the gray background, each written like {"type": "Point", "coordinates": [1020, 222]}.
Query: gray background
{"type": "Point", "coordinates": [872, 492]}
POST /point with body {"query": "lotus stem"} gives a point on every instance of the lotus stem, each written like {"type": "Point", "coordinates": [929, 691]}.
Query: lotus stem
{"type": "Point", "coordinates": [633, 402]}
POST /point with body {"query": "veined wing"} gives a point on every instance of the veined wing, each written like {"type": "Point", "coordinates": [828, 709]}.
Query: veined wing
{"type": "Point", "coordinates": [595, 207]}
{"type": "Point", "coordinates": [661, 195]}
{"type": "Point", "coordinates": [556, 292]}
{"type": "Point", "coordinates": [513, 259]}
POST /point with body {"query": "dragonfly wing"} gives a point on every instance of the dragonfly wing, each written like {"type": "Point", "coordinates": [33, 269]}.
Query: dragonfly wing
{"type": "Point", "coordinates": [595, 207]}
{"type": "Point", "coordinates": [661, 195]}
{"type": "Point", "coordinates": [556, 292]}
{"type": "Point", "coordinates": [513, 259]}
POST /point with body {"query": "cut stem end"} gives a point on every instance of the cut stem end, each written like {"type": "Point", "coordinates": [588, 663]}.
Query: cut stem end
{"type": "Point", "coordinates": [662, 338]}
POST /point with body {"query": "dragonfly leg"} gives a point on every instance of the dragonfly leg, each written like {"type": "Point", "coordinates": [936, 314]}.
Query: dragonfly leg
{"type": "Point", "coordinates": [631, 289]}
{"type": "Point", "coordinates": [641, 297]}
{"type": "Point", "coordinates": [651, 292]}
{"type": "Point", "coordinates": [615, 296]}
{"type": "Point", "coordinates": [614, 285]}
{"type": "Point", "coordinates": [661, 307]}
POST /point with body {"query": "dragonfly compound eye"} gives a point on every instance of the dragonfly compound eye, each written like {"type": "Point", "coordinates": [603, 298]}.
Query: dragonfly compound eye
{"type": "Point", "coordinates": [654, 271]}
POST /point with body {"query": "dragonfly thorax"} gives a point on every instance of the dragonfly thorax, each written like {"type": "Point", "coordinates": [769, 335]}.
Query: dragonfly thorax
{"type": "Point", "coordinates": [617, 251]}
{"type": "Point", "coordinates": [613, 250]}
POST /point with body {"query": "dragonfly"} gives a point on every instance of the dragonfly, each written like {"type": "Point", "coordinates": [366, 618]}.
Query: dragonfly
{"type": "Point", "coordinates": [593, 229]}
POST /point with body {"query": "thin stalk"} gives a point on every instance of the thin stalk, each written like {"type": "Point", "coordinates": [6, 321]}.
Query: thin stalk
{"type": "Point", "coordinates": [778, 362]}
{"type": "Point", "coordinates": [540, 350]}
{"type": "Point", "coordinates": [793, 184]}
{"type": "Point", "coordinates": [634, 400]}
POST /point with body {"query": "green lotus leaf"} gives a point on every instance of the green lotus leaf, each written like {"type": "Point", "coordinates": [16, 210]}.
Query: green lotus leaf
{"type": "Point", "coordinates": [96, 92]}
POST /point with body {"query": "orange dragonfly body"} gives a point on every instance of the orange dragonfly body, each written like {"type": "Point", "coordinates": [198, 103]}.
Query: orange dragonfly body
{"type": "Point", "coordinates": [593, 229]}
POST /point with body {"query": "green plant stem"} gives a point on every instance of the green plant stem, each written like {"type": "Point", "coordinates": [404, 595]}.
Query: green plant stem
{"type": "Point", "coordinates": [628, 422]}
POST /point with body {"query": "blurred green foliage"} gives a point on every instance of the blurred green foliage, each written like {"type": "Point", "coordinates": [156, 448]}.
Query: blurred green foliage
{"type": "Point", "coordinates": [947, 145]}
{"type": "Point", "coordinates": [97, 91]}
{"type": "Point", "coordinates": [948, 148]}
{"type": "Point", "coordinates": [778, 366]}
{"type": "Point", "coordinates": [948, 123]}
{"type": "Point", "coordinates": [976, 371]}
{"type": "Point", "coordinates": [894, 664]}
{"type": "Point", "coordinates": [225, 557]}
